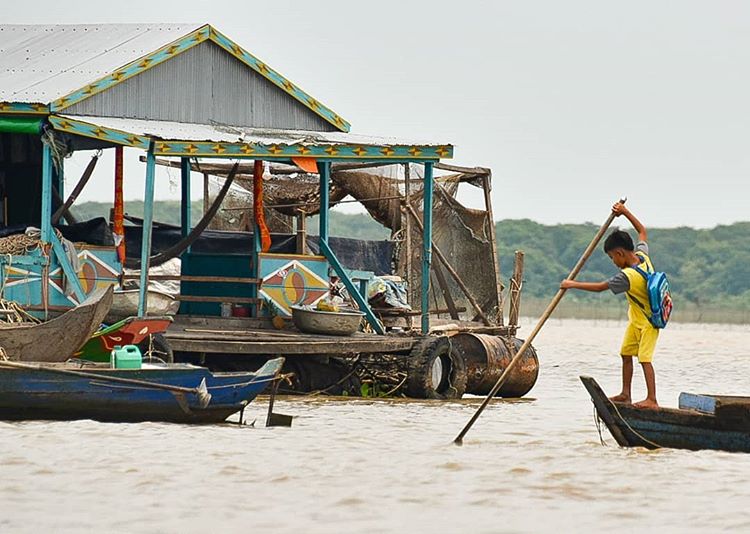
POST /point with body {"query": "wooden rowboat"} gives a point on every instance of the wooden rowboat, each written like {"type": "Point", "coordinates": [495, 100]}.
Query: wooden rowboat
{"type": "Point", "coordinates": [58, 339]}
{"type": "Point", "coordinates": [47, 393]}
{"type": "Point", "coordinates": [701, 422]}
{"type": "Point", "coordinates": [130, 331]}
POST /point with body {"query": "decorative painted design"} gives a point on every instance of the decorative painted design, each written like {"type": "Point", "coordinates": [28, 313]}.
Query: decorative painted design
{"type": "Point", "coordinates": [98, 132]}
{"type": "Point", "coordinates": [293, 280]}
{"type": "Point", "coordinates": [278, 80]}
{"type": "Point", "coordinates": [24, 283]}
{"type": "Point", "coordinates": [179, 46]}
{"type": "Point", "coordinates": [325, 151]}
{"type": "Point", "coordinates": [24, 108]}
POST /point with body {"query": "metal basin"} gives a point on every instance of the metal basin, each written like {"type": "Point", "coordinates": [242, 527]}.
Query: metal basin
{"type": "Point", "coordinates": [324, 322]}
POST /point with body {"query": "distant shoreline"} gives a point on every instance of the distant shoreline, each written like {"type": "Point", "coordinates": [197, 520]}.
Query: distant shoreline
{"type": "Point", "coordinates": [685, 313]}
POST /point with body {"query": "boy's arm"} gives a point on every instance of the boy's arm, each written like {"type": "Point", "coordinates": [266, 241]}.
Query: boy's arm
{"type": "Point", "coordinates": [596, 287]}
{"type": "Point", "coordinates": [620, 209]}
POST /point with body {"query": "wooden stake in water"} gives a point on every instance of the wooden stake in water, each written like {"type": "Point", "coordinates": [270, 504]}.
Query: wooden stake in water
{"type": "Point", "coordinates": [543, 319]}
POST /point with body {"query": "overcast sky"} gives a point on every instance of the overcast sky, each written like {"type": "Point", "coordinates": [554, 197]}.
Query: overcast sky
{"type": "Point", "coordinates": [572, 104]}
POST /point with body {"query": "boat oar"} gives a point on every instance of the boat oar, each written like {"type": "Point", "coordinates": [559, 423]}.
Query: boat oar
{"type": "Point", "coordinates": [201, 392]}
{"type": "Point", "coordinates": [543, 319]}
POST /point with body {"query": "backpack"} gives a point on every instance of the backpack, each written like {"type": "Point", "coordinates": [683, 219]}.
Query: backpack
{"type": "Point", "coordinates": [659, 297]}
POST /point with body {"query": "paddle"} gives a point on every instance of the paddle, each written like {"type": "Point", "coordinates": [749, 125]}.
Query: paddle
{"type": "Point", "coordinates": [543, 319]}
{"type": "Point", "coordinates": [201, 392]}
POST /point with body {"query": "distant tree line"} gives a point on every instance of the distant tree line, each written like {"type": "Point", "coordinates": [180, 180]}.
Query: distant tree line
{"type": "Point", "coordinates": [705, 267]}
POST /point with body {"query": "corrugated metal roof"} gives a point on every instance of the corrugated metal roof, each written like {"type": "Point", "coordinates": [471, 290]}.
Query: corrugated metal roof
{"type": "Point", "coordinates": [40, 63]}
{"type": "Point", "coordinates": [178, 131]}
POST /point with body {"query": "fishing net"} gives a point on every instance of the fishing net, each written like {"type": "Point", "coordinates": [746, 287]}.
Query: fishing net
{"type": "Point", "coordinates": [462, 234]}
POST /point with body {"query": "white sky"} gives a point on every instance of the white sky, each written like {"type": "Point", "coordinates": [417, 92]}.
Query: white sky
{"type": "Point", "coordinates": [572, 104]}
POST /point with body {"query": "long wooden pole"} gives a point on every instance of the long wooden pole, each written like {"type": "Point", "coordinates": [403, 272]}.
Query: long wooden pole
{"type": "Point", "coordinates": [543, 319]}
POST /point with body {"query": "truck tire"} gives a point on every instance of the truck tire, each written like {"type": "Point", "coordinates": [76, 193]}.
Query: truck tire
{"type": "Point", "coordinates": [435, 370]}
{"type": "Point", "coordinates": [155, 347]}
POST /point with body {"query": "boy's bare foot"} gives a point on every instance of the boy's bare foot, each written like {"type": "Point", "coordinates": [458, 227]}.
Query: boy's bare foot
{"type": "Point", "coordinates": [622, 397]}
{"type": "Point", "coordinates": [647, 404]}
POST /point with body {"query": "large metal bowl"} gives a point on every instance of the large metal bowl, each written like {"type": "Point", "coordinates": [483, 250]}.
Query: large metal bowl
{"type": "Point", "coordinates": [325, 322]}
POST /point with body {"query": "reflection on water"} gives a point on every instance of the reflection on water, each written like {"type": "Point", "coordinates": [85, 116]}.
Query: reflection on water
{"type": "Point", "coordinates": [390, 465]}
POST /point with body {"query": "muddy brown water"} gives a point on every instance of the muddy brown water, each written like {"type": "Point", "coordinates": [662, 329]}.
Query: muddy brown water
{"type": "Point", "coordinates": [534, 465]}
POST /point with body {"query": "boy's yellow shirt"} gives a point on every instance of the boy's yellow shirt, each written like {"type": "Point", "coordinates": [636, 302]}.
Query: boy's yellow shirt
{"type": "Point", "coordinates": [638, 290]}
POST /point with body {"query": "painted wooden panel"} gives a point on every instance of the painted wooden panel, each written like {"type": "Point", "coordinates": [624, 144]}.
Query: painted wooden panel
{"type": "Point", "coordinates": [290, 279]}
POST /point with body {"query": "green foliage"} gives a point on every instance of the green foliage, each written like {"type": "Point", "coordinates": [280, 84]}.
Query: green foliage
{"type": "Point", "coordinates": [704, 266]}
{"type": "Point", "coordinates": [165, 211]}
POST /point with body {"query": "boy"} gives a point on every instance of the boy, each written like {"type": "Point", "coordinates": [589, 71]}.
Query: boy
{"type": "Point", "coordinates": [640, 335]}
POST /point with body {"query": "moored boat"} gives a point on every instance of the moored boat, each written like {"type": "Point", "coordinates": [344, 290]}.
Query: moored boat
{"type": "Point", "coordinates": [129, 331]}
{"type": "Point", "coordinates": [701, 422]}
{"type": "Point", "coordinates": [178, 393]}
{"type": "Point", "coordinates": [58, 339]}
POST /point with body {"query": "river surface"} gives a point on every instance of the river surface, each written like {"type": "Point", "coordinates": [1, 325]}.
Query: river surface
{"type": "Point", "coordinates": [535, 465]}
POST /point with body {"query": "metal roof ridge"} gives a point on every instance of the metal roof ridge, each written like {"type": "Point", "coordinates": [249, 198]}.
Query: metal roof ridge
{"type": "Point", "coordinates": [184, 43]}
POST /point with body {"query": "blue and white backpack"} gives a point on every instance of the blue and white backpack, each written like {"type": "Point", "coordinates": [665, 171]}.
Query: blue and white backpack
{"type": "Point", "coordinates": [659, 298]}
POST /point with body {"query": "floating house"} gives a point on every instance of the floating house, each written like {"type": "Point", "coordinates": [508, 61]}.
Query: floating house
{"type": "Point", "coordinates": [176, 91]}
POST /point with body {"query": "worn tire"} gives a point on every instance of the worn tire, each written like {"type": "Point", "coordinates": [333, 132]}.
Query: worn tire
{"type": "Point", "coordinates": [435, 370]}
{"type": "Point", "coordinates": [156, 346]}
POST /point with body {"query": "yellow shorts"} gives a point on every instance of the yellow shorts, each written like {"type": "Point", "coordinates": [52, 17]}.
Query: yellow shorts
{"type": "Point", "coordinates": [640, 341]}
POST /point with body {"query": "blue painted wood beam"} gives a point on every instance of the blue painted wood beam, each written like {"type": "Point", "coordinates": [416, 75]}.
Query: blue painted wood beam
{"type": "Point", "coordinates": [148, 221]}
{"type": "Point", "coordinates": [361, 301]}
{"type": "Point", "coordinates": [426, 246]}
{"type": "Point", "coordinates": [46, 222]}
{"type": "Point", "coordinates": [70, 274]}
{"type": "Point", "coordinates": [324, 168]}
{"type": "Point", "coordinates": [185, 222]}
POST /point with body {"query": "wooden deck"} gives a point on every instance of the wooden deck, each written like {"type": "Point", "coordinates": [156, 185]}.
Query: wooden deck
{"type": "Point", "coordinates": [233, 335]}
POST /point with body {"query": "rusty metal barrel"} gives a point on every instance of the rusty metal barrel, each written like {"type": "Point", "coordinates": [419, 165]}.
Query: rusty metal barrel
{"type": "Point", "coordinates": [486, 358]}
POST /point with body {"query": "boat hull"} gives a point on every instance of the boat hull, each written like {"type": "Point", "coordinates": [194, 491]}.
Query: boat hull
{"type": "Point", "coordinates": [58, 339]}
{"type": "Point", "coordinates": [669, 428]}
{"type": "Point", "coordinates": [30, 394]}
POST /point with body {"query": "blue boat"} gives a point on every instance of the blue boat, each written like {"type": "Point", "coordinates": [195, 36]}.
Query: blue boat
{"type": "Point", "coordinates": [177, 393]}
{"type": "Point", "coordinates": [701, 422]}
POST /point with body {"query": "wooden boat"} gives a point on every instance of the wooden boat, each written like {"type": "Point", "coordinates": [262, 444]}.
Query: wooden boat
{"type": "Point", "coordinates": [125, 304]}
{"type": "Point", "coordinates": [130, 331]}
{"type": "Point", "coordinates": [701, 422]}
{"type": "Point", "coordinates": [49, 392]}
{"type": "Point", "coordinates": [58, 339]}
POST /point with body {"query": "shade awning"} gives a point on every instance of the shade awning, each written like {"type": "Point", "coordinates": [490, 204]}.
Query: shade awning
{"type": "Point", "coordinates": [204, 140]}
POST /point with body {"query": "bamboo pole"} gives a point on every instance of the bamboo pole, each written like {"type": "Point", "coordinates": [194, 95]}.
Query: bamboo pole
{"type": "Point", "coordinates": [543, 319]}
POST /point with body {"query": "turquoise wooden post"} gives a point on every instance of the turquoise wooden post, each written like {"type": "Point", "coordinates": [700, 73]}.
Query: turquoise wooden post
{"type": "Point", "coordinates": [324, 168]}
{"type": "Point", "coordinates": [46, 218]}
{"type": "Point", "coordinates": [148, 220]}
{"type": "Point", "coordinates": [185, 222]}
{"type": "Point", "coordinates": [426, 246]}
{"type": "Point", "coordinates": [58, 182]}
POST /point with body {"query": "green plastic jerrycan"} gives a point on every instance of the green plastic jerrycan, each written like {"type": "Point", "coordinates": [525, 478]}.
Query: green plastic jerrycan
{"type": "Point", "coordinates": [127, 357]}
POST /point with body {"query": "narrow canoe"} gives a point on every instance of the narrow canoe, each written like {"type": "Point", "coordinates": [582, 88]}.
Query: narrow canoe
{"type": "Point", "coordinates": [701, 422]}
{"type": "Point", "coordinates": [60, 338]}
{"type": "Point", "coordinates": [44, 394]}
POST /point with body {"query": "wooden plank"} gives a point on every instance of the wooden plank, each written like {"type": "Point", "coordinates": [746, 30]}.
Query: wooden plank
{"type": "Point", "coordinates": [447, 297]}
{"type": "Point", "coordinates": [394, 312]}
{"type": "Point", "coordinates": [290, 348]}
{"type": "Point", "coordinates": [198, 278]}
{"type": "Point", "coordinates": [231, 300]}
